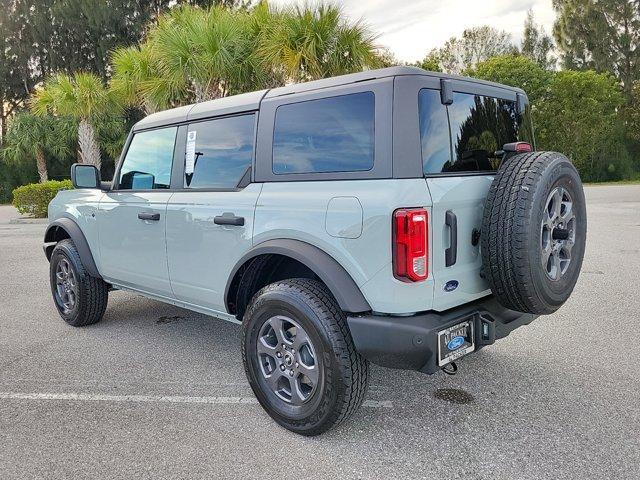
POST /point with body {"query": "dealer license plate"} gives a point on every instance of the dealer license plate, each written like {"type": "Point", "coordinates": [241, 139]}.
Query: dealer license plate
{"type": "Point", "coordinates": [455, 342]}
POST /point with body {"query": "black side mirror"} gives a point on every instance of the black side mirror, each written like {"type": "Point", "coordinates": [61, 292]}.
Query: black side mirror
{"type": "Point", "coordinates": [85, 176]}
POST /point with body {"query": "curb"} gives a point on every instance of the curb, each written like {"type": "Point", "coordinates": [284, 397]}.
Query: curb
{"type": "Point", "coordinates": [28, 221]}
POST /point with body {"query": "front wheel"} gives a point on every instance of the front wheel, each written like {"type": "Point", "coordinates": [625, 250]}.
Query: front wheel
{"type": "Point", "coordinates": [300, 358]}
{"type": "Point", "coordinates": [80, 298]}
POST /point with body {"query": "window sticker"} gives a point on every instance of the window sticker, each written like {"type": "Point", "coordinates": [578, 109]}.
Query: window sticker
{"type": "Point", "coordinates": [190, 160]}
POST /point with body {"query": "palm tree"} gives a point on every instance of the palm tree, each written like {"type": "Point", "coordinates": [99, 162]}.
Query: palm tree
{"type": "Point", "coordinates": [309, 43]}
{"type": "Point", "coordinates": [192, 55]}
{"type": "Point", "coordinates": [132, 69]}
{"type": "Point", "coordinates": [82, 96]}
{"type": "Point", "coordinates": [30, 136]}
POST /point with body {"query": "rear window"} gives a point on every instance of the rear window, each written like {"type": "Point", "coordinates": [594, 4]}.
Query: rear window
{"type": "Point", "coordinates": [333, 134]}
{"type": "Point", "coordinates": [219, 152]}
{"type": "Point", "coordinates": [478, 126]}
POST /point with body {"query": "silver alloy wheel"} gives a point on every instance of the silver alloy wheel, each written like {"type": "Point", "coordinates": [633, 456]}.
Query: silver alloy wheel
{"type": "Point", "coordinates": [557, 233]}
{"type": "Point", "coordinates": [66, 286]}
{"type": "Point", "coordinates": [288, 360]}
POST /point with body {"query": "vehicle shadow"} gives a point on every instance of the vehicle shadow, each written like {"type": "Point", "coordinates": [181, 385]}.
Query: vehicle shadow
{"type": "Point", "coordinates": [502, 399]}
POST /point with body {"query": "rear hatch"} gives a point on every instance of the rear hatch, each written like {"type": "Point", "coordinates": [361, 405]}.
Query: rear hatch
{"type": "Point", "coordinates": [475, 124]}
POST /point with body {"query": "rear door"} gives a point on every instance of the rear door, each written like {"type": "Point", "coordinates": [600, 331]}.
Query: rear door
{"type": "Point", "coordinates": [210, 218]}
{"type": "Point", "coordinates": [478, 121]}
{"type": "Point", "coordinates": [132, 216]}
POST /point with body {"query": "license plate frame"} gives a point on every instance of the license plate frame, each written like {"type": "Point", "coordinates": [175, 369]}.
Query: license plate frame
{"type": "Point", "coordinates": [464, 329]}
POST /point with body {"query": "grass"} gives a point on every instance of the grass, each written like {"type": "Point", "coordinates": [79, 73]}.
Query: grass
{"type": "Point", "coordinates": [615, 182]}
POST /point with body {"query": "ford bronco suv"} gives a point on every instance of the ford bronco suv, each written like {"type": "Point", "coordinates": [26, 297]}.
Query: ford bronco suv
{"type": "Point", "coordinates": [392, 216]}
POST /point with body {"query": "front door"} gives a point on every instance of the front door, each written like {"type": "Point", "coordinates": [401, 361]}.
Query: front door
{"type": "Point", "coordinates": [210, 220]}
{"type": "Point", "coordinates": [132, 217]}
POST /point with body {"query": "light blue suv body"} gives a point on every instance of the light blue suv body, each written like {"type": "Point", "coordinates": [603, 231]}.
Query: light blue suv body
{"type": "Point", "coordinates": [186, 258]}
{"type": "Point", "coordinates": [371, 186]}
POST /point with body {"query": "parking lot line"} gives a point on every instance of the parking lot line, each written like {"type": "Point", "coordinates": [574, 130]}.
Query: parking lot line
{"type": "Point", "coordinates": [91, 397]}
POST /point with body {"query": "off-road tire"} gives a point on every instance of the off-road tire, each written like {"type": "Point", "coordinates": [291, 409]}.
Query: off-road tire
{"type": "Point", "coordinates": [343, 371]}
{"type": "Point", "coordinates": [511, 232]}
{"type": "Point", "coordinates": [92, 292]}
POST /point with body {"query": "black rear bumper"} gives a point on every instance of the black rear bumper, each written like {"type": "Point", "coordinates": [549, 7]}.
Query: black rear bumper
{"type": "Point", "coordinates": [411, 343]}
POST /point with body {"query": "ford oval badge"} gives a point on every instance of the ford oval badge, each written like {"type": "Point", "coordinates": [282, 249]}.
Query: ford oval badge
{"type": "Point", "coordinates": [451, 285]}
{"type": "Point", "coordinates": [455, 342]}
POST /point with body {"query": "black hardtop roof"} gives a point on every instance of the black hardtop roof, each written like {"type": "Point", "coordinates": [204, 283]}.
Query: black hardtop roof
{"type": "Point", "coordinates": [251, 101]}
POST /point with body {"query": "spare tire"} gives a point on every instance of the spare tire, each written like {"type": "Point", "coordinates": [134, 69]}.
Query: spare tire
{"type": "Point", "coordinates": [533, 232]}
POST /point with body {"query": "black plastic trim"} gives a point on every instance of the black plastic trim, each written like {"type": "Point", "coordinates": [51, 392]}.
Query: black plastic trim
{"type": "Point", "coordinates": [411, 343]}
{"type": "Point", "coordinates": [229, 219]}
{"type": "Point", "coordinates": [451, 253]}
{"type": "Point", "coordinates": [335, 277]}
{"type": "Point", "coordinates": [79, 240]}
{"type": "Point", "coordinates": [446, 92]}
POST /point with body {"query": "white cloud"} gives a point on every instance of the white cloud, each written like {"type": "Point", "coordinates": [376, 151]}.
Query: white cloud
{"type": "Point", "coordinates": [411, 29]}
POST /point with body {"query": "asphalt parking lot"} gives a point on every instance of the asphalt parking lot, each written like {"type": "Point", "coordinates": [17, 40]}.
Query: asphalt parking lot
{"type": "Point", "coordinates": [154, 391]}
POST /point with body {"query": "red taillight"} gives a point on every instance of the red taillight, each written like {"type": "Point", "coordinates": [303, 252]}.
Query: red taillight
{"type": "Point", "coordinates": [410, 248]}
{"type": "Point", "coordinates": [523, 147]}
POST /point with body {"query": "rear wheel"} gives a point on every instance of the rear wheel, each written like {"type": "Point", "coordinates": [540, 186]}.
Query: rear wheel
{"type": "Point", "coordinates": [80, 298]}
{"type": "Point", "coordinates": [299, 357]}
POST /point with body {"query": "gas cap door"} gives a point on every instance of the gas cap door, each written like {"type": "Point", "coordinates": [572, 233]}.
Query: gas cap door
{"type": "Point", "coordinates": [344, 217]}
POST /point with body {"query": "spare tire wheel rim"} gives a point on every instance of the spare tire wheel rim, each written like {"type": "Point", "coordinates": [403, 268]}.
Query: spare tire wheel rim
{"type": "Point", "coordinates": [557, 233]}
{"type": "Point", "coordinates": [287, 360]}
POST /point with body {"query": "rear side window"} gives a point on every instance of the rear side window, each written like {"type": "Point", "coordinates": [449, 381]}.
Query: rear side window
{"type": "Point", "coordinates": [333, 134]}
{"type": "Point", "coordinates": [219, 152]}
{"type": "Point", "coordinates": [147, 165]}
{"type": "Point", "coordinates": [479, 126]}
{"type": "Point", "coordinates": [434, 131]}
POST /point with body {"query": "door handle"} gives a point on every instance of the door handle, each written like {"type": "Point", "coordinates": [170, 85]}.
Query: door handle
{"type": "Point", "coordinates": [149, 216]}
{"type": "Point", "coordinates": [229, 219]}
{"type": "Point", "coordinates": [451, 253]}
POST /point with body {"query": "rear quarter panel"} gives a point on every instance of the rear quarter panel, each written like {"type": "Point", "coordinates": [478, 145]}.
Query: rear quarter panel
{"type": "Point", "coordinates": [301, 210]}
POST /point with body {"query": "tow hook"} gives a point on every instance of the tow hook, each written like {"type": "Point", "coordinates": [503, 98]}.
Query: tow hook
{"type": "Point", "coordinates": [450, 368]}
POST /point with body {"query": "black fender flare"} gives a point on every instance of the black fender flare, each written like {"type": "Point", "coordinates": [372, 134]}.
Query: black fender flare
{"type": "Point", "coordinates": [74, 232]}
{"type": "Point", "coordinates": [335, 277]}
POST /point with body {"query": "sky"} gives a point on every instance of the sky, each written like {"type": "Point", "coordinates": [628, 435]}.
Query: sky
{"type": "Point", "coordinates": [411, 28]}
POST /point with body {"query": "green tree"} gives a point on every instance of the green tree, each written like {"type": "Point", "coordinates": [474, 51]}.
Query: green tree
{"type": "Point", "coordinates": [475, 45]}
{"type": "Point", "coordinates": [632, 113]}
{"type": "Point", "coordinates": [517, 71]}
{"type": "Point", "coordinates": [190, 55]}
{"type": "Point", "coordinates": [308, 43]}
{"type": "Point", "coordinates": [603, 35]}
{"type": "Point", "coordinates": [194, 54]}
{"type": "Point", "coordinates": [42, 37]}
{"type": "Point", "coordinates": [387, 58]}
{"type": "Point", "coordinates": [580, 117]}
{"type": "Point", "coordinates": [536, 44]}
{"type": "Point", "coordinates": [430, 63]}
{"type": "Point", "coordinates": [16, 78]}
{"type": "Point", "coordinates": [30, 138]}
{"type": "Point", "coordinates": [82, 96]}
{"type": "Point", "coordinates": [133, 70]}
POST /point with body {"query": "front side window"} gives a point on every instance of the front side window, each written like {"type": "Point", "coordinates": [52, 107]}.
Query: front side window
{"type": "Point", "coordinates": [147, 165]}
{"type": "Point", "coordinates": [219, 152]}
{"type": "Point", "coordinates": [333, 134]}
